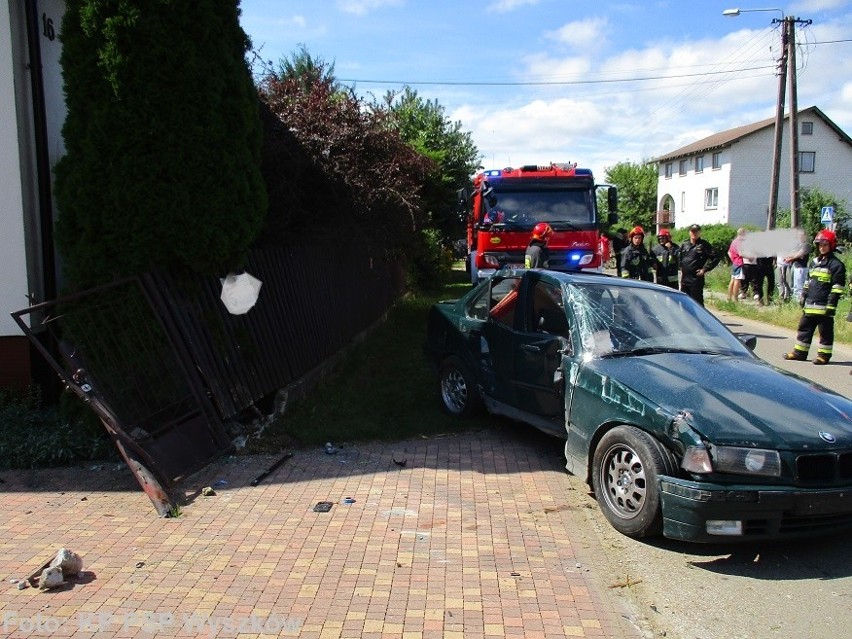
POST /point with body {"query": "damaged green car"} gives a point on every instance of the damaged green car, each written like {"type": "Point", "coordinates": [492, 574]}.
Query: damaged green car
{"type": "Point", "coordinates": [678, 426]}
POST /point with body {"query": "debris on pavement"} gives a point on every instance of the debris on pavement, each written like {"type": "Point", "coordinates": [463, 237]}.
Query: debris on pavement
{"type": "Point", "coordinates": [207, 491]}
{"type": "Point", "coordinates": [322, 506]}
{"type": "Point", "coordinates": [66, 563]}
{"type": "Point", "coordinates": [270, 470]}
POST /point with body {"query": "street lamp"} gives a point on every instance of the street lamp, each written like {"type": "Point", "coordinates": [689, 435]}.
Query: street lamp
{"type": "Point", "coordinates": [779, 121]}
{"type": "Point", "coordinates": [736, 12]}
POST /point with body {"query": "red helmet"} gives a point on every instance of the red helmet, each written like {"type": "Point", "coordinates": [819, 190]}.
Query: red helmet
{"type": "Point", "coordinates": [664, 233]}
{"type": "Point", "coordinates": [636, 230]}
{"type": "Point", "coordinates": [542, 231]}
{"type": "Point", "coordinates": [828, 236]}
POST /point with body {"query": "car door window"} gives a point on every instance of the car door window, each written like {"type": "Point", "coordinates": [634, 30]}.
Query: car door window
{"type": "Point", "coordinates": [548, 311]}
{"type": "Point", "coordinates": [497, 301]}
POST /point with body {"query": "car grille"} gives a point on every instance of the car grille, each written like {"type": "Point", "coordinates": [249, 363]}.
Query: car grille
{"type": "Point", "coordinates": [824, 468]}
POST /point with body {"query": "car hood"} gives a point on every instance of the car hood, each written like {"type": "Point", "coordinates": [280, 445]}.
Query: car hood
{"type": "Point", "coordinates": [735, 400]}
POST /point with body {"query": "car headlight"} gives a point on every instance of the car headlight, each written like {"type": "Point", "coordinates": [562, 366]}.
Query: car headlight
{"type": "Point", "coordinates": [732, 459]}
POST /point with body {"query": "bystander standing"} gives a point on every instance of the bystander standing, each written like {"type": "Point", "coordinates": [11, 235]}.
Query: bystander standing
{"type": "Point", "coordinates": [736, 265]}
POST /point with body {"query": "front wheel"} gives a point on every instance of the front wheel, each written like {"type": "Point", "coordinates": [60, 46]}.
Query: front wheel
{"type": "Point", "coordinates": [459, 392]}
{"type": "Point", "coordinates": [625, 469]}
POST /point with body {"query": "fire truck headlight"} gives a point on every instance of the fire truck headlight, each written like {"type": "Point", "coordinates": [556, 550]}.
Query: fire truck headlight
{"type": "Point", "coordinates": [580, 258]}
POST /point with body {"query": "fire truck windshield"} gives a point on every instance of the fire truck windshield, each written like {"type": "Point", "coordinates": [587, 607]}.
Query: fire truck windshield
{"type": "Point", "coordinates": [563, 209]}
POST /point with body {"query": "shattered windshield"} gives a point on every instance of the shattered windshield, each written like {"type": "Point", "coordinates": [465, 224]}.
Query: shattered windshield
{"type": "Point", "coordinates": [618, 321]}
{"type": "Point", "coordinates": [563, 209]}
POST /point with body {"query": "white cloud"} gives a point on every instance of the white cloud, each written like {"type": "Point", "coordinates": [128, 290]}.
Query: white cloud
{"type": "Point", "coordinates": [363, 7]}
{"type": "Point", "coordinates": [504, 6]}
{"type": "Point", "coordinates": [582, 34]}
{"type": "Point", "coordinates": [812, 6]}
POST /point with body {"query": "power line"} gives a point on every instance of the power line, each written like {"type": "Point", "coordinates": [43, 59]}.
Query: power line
{"type": "Point", "coordinates": [549, 82]}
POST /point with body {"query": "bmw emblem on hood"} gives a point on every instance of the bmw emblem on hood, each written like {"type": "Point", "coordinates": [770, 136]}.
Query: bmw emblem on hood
{"type": "Point", "coordinates": [827, 437]}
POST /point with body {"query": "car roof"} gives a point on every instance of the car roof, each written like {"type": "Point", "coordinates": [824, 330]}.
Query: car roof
{"type": "Point", "coordinates": [583, 278]}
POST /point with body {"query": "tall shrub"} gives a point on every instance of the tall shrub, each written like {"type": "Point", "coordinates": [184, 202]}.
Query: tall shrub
{"type": "Point", "coordinates": [162, 137]}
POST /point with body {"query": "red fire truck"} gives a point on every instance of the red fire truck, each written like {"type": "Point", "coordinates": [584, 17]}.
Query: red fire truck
{"type": "Point", "coordinates": [504, 205]}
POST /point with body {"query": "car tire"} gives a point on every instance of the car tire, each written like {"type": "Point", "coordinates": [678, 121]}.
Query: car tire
{"type": "Point", "coordinates": [458, 388]}
{"type": "Point", "coordinates": [625, 469]}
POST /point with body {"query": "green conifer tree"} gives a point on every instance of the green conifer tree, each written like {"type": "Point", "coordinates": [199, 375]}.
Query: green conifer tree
{"type": "Point", "coordinates": [162, 136]}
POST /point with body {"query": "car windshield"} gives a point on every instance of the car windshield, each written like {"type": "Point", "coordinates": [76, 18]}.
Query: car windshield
{"type": "Point", "coordinates": [616, 321]}
{"type": "Point", "coordinates": [563, 209]}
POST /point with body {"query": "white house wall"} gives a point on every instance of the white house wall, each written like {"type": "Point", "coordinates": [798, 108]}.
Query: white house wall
{"type": "Point", "coordinates": [20, 239]}
{"type": "Point", "coordinates": [746, 170]}
{"type": "Point", "coordinates": [751, 177]}
{"type": "Point", "coordinates": [833, 166]}
{"type": "Point", "coordinates": [687, 191]}
{"type": "Point", "coordinates": [13, 284]}
{"type": "Point", "coordinates": [751, 172]}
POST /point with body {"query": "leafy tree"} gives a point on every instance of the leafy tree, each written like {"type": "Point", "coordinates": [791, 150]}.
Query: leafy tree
{"type": "Point", "coordinates": [451, 151]}
{"type": "Point", "coordinates": [810, 212]}
{"type": "Point", "coordinates": [637, 192]}
{"type": "Point", "coordinates": [163, 139]}
{"type": "Point", "coordinates": [373, 177]}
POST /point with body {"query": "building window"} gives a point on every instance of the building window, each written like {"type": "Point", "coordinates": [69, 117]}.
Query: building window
{"type": "Point", "coordinates": [711, 198]}
{"type": "Point", "coordinates": [699, 164]}
{"type": "Point", "coordinates": [807, 128]}
{"type": "Point", "coordinates": [717, 160]}
{"type": "Point", "coordinates": [807, 161]}
{"type": "Point", "coordinates": [681, 169]}
{"type": "Point", "coordinates": [668, 169]}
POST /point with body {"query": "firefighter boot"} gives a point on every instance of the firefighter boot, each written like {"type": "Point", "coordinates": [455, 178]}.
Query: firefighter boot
{"type": "Point", "coordinates": [822, 359]}
{"type": "Point", "coordinates": [798, 356]}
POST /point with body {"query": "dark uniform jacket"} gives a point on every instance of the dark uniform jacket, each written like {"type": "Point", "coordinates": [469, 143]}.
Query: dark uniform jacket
{"type": "Point", "coordinates": [637, 263]}
{"type": "Point", "coordinates": [695, 257]}
{"type": "Point", "coordinates": [826, 281]}
{"type": "Point", "coordinates": [536, 255]}
{"type": "Point", "coordinates": [668, 264]}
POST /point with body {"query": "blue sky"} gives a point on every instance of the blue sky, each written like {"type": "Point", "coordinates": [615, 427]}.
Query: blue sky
{"type": "Point", "coordinates": [598, 83]}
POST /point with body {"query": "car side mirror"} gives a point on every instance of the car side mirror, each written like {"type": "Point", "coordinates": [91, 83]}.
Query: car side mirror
{"type": "Point", "coordinates": [749, 340]}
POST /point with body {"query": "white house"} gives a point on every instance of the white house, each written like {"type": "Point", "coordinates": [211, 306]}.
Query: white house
{"type": "Point", "coordinates": [32, 109]}
{"type": "Point", "coordinates": [726, 177]}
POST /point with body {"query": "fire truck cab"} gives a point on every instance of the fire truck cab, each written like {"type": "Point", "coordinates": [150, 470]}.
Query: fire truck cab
{"type": "Point", "coordinates": [503, 205]}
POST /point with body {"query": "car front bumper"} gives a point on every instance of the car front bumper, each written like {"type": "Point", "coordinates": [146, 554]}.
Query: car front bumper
{"type": "Point", "coordinates": [705, 512]}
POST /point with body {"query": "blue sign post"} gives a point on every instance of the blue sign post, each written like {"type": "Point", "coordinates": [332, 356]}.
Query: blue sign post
{"type": "Point", "coordinates": [827, 217]}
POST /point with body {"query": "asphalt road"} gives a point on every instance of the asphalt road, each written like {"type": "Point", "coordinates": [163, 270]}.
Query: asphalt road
{"type": "Point", "coordinates": [773, 342]}
{"type": "Point", "coordinates": [799, 589]}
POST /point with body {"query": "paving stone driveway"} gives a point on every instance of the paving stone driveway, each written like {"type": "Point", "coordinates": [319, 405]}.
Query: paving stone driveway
{"type": "Point", "coordinates": [476, 535]}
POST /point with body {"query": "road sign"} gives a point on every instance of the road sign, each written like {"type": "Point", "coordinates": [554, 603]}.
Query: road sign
{"type": "Point", "coordinates": [827, 215]}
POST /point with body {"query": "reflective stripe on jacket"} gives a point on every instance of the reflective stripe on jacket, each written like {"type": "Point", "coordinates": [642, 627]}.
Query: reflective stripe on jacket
{"type": "Point", "coordinates": [825, 285]}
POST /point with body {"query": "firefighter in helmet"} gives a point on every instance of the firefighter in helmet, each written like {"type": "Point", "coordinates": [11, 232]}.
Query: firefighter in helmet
{"type": "Point", "coordinates": [665, 255]}
{"type": "Point", "coordinates": [826, 283]}
{"type": "Point", "coordinates": [636, 262]}
{"type": "Point", "coordinates": [537, 254]}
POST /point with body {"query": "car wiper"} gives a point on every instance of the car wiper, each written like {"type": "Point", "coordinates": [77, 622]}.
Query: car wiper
{"type": "Point", "coordinates": [656, 350]}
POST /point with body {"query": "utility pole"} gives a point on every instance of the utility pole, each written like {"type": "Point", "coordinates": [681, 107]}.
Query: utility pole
{"type": "Point", "coordinates": [787, 65]}
{"type": "Point", "coordinates": [779, 129]}
{"type": "Point", "coordinates": [794, 130]}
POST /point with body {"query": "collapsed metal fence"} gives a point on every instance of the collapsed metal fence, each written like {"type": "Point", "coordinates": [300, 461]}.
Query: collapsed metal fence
{"type": "Point", "coordinates": [164, 364]}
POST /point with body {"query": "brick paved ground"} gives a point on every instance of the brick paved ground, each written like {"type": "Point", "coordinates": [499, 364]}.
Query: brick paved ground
{"type": "Point", "coordinates": [477, 535]}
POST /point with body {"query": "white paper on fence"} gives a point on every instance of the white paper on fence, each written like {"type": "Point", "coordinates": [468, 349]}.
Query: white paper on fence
{"type": "Point", "coordinates": [240, 292]}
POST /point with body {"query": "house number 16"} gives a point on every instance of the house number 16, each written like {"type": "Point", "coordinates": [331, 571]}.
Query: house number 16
{"type": "Point", "coordinates": [47, 27]}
